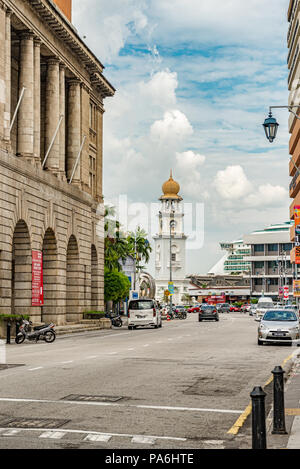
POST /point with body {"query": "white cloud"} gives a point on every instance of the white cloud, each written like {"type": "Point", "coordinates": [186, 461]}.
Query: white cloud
{"type": "Point", "coordinates": [173, 126]}
{"type": "Point", "coordinates": [188, 164]}
{"type": "Point", "coordinates": [161, 89]}
{"type": "Point", "coordinates": [267, 195]}
{"type": "Point", "coordinates": [232, 183]}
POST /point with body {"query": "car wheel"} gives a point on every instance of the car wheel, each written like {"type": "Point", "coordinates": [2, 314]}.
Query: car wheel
{"type": "Point", "coordinates": [259, 342]}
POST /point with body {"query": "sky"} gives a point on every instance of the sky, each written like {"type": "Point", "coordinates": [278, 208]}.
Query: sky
{"type": "Point", "coordinates": [194, 81]}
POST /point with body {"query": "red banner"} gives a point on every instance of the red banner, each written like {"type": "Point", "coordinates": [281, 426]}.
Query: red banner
{"type": "Point", "coordinates": [37, 279]}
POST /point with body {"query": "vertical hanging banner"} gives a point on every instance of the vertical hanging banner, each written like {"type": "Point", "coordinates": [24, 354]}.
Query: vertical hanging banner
{"type": "Point", "coordinates": [286, 293]}
{"type": "Point", "coordinates": [296, 288]}
{"type": "Point", "coordinates": [37, 279]}
{"type": "Point", "coordinates": [297, 233]}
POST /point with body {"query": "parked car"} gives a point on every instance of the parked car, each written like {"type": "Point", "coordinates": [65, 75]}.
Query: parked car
{"type": "Point", "coordinates": [194, 309]}
{"type": "Point", "coordinates": [208, 312]}
{"type": "Point", "coordinates": [278, 325]}
{"type": "Point", "coordinates": [225, 308]}
{"type": "Point", "coordinates": [143, 312]}
{"type": "Point", "coordinates": [234, 309]}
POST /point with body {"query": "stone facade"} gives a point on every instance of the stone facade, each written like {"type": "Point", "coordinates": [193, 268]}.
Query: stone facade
{"type": "Point", "coordinates": [50, 163]}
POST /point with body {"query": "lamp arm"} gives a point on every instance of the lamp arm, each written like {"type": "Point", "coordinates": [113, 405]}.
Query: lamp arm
{"type": "Point", "coordinates": [290, 108]}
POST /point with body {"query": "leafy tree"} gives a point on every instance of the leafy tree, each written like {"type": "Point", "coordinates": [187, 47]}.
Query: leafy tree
{"type": "Point", "coordinates": [116, 286]}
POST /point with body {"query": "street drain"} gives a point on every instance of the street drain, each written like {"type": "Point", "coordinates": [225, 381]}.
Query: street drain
{"type": "Point", "coordinates": [87, 398]}
{"type": "Point", "coordinates": [33, 423]}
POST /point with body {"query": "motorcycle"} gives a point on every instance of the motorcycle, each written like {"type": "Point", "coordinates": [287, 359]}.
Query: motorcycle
{"type": "Point", "coordinates": [116, 321]}
{"type": "Point", "coordinates": [45, 332]}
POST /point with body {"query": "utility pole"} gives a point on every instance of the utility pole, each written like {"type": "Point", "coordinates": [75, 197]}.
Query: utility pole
{"type": "Point", "coordinates": [172, 224]}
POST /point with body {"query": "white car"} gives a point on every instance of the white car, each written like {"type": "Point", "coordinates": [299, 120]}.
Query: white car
{"type": "Point", "coordinates": [143, 313]}
{"type": "Point", "coordinates": [264, 304]}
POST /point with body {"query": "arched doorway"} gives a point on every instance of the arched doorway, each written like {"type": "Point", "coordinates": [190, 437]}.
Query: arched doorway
{"type": "Point", "coordinates": [94, 279]}
{"type": "Point", "coordinates": [74, 282]}
{"type": "Point", "coordinates": [21, 279]}
{"type": "Point", "coordinates": [49, 310]}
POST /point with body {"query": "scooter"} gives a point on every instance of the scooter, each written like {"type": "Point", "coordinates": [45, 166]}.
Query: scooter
{"type": "Point", "coordinates": [46, 332]}
{"type": "Point", "coordinates": [116, 321]}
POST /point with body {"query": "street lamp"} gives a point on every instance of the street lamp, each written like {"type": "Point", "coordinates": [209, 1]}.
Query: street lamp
{"type": "Point", "coordinates": [271, 125]}
{"type": "Point", "coordinates": [172, 225]}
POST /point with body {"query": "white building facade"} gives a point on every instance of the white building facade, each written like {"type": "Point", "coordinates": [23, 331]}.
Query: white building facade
{"type": "Point", "coordinates": [170, 245]}
{"type": "Point", "coordinates": [271, 267]}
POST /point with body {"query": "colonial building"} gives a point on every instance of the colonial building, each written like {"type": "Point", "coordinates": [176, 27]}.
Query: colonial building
{"type": "Point", "coordinates": [170, 244]}
{"type": "Point", "coordinates": [51, 130]}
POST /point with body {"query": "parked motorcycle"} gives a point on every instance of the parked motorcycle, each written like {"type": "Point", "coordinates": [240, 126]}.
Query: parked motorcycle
{"type": "Point", "coordinates": [116, 321]}
{"type": "Point", "coordinates": [45, 332]}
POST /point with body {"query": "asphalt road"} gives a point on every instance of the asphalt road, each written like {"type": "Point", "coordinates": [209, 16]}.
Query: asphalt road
{"type": "Point", "coordinates": [182, 386]}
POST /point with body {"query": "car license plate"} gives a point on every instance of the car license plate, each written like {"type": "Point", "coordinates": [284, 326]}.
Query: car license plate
{"type": "Point", "coordinates": [279, 334]}
{"type": "Point", "coordinates": [140, 317]}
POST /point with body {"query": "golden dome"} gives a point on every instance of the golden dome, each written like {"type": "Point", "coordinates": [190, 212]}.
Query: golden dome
{"type": "Point", "coordinates": [170, 189]}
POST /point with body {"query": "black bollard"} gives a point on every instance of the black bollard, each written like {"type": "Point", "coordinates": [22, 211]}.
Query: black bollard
{"type": "Point", "coordinates": [259, 440]}
{"type": "Point", "coordinates": [278, 396]}
{"type": "Point", "coordinates": [8, 328]}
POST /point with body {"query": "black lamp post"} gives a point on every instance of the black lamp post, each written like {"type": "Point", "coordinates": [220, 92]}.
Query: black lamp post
{"type": "Point", "coordinates": [172, 225]}
{"type": "Point", "coordinates": [271, 127]}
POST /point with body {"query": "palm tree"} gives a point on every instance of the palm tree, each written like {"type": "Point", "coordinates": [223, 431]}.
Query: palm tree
{"type": "Point", "coordinates": [139, 245]}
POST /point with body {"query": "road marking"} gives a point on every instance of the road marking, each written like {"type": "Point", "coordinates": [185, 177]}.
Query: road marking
{"type": "Point", "coordinates": [143, 440]}
{"type": "Point", "coordinates": [86, 432]}
{"type": "Point", "coordinates": [91, 357]}
{"type": "Point", "coordinates": [110, 404]}
{"type": "Point", "coordinates": [146, 345]}
{"type": "Point", "coordinates": [52, 435]}
{"type": "Point", "coordinates": [131, 349]}
{"type": "Point", "coordinates": [242, 419]}
{"type": "Point", "coordinates": [67, 363]}
{"type": "Point", "coordinates": [11, 432]}
{"type": "Point", "coordinates": [37, 368]}
{"type": "Point", "coordinates": [103, 438]}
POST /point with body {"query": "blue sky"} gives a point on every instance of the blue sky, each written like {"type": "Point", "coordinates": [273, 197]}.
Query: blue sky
{"type": "Point", "coordinates": [194, 81]}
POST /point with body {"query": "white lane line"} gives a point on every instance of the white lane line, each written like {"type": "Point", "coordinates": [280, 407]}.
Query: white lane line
{"type": "Point", "coordinates": [53, 435]}
{"type": "Point", "coordinates": [103, 438]}
{"type": "Point", "coordinates": [35, 369]}
{"type": "Point", "coordinates": [86, 432]}
{"type": "Point", "coordinates": [112, 353]}
{"type": "Point", "coordinates": [11, 432]}
{"type": "Point", "coordinates": [67, 362]}
{"type": "Point", "coordinates": [147, 345]}
{"type": "Point", "coordinates": [143, 440]}
{"type": "Point", "coordinates": [109, 404]}
{"type": "Point", "coordinates": [131, 349]}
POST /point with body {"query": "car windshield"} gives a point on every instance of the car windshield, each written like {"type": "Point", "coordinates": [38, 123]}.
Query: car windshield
{"type": "Point", "coordinates": [136, 305]}
{"type": "Point", "coordinates": [266, 305]}
{"type": "Point", "coordinates": [280, 315]}
{"type": "Point", "coordinates": [207, 307]}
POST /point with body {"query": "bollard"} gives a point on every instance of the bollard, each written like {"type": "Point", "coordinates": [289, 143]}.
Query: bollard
{"type": "Point", "coordinates": [259, 440]}
{"type": "Point", "coordinates": [8, 328]}
{"type": "Point", "coordinates": [278, 396]}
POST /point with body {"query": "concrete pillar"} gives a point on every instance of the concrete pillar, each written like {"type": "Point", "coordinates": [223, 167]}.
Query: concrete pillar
{"type": "Point", "coordinates": [26, 110]}
{"type": "Point", "coordinates": [62, 132]}
{"type": "Point", "coordinates": [52, 115]}
{"type": "Point", "coordinates": [99, 154]}
{"type": "Point", "coordinates": [7, 107]}
{"type": "Point", "coordinates": [74, 129]}
{"type": "Point", "coordinates": [2, 66]}
{"type": "Point", "coordinates": [37, 100]}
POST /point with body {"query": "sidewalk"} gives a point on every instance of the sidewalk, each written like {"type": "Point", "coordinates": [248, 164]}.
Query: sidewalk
{"type": "Point", "coordinates": [292, 409]}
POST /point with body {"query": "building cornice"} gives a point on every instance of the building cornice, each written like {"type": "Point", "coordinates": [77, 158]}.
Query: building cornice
{"type": "Point", "coordinates": [64, 30]}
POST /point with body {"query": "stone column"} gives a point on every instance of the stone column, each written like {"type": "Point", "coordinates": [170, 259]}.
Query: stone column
{"type": "Point", "coordinates": [62, 132]}
{"type": "Point", "coordinates": [26, 110]}
{"type": "Point", "coordinates": [7, 107]}
{"type": "Point", "coordinates": [37, 100]}
{"type": "Point", "coordinates": [52, 115]}
{"type": "Point", "coordinates": [99, 154]}
{"type": "Point", "coordinates": [74, 129]}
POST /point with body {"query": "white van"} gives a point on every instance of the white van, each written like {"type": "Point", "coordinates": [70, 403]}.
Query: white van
{"type": "Point", "coordinates": [143, 312]}
{"type": "Point", "coordinates": [264, 304]}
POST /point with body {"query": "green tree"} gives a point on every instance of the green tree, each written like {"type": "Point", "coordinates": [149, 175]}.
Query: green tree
{"type": "Point", "coordinates": [115, 244]}
{"type": "Point", "coordinates": [138, 244]}
{"type": "Point", "coordinates": [116, 286]}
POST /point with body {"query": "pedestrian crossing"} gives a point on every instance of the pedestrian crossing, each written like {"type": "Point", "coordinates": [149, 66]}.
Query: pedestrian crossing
{"type": "Point", "coordinates": [84, 436]}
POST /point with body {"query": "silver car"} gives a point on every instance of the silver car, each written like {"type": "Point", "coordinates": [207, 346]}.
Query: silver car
{"type": "Point", "coordinates": [278, 325]}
